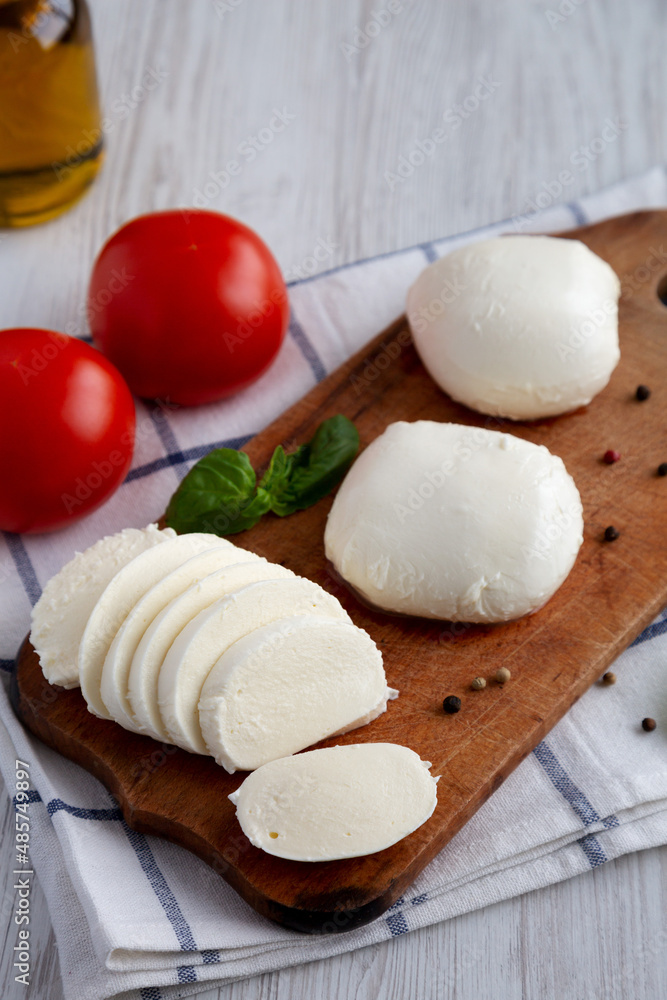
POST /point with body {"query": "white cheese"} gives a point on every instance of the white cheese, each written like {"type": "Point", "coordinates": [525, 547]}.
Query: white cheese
{"type": "Point", "coordinates": [454, 522]}
{"type": "Point", "coordinates": [340, 802]}
{"type": "Point", "coordinates": [164, 629]}
{"type": "Point", "coordinates": [116, 669]}
{"type": "Point", "coordinates": [286, 686]}
{"type": "Point", "coordinates": [213, 631]}
{"type": "Point", "coordinates": [60, 616]}
{"type": "Point", "coordinates": [518, 326]}
{"type": "Point", "coordinates": [118, 599]}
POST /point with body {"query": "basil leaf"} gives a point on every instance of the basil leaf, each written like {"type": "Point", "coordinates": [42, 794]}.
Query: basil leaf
{"type": "Point", "coordinates": [218, 495]}
{"type": "Point", "coordinates": [276, 476]}
{"type": "Point", "coordinates": [299, 480]}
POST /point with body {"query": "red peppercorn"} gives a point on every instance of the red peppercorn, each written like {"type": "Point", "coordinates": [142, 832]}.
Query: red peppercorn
{"type": "Point", "coordinates": [611, 456]}
{"type": "Point", "coordinates": [648, 725]}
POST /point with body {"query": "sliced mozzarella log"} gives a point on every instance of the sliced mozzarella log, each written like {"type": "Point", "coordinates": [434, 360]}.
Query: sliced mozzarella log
{"type": "Point", "coordinates": [116, 670]}
{"type": "Point", "coordinates": [341, 802]}
{"type": "Point", "coordinates": [164, 629]}
{"type": "Point", "coordinates": [59, 618]}
{"type": "Point", "coordinates": [118, 599]}
{"type": "Point", "coordinates": [203, 641]}
{"type": "Point", "coordinates": [287, 686]}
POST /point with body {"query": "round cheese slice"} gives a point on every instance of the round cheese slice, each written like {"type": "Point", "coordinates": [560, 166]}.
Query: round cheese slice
{"type": "Point", "coordinates": [340, 802]}
{"type": "Point", "coordinates": [288, 685]}
{"type": "Point", "coordinates": [60, 616]}
{"type": "Point", "coordinates": [116, 669]}
{"type": "Point", "coordinates": [518, 326]}
{"type": "Point", "coordinates": [454, 522]}
{"type": "Point", "coordinates": [119, 597]}
{"type": "Point", "coordinates": [203, 641]}
{"type": "Point", "coordinates": [162, 632]}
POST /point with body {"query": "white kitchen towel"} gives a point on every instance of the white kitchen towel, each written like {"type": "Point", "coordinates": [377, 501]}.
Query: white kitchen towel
{"type": "Point", "coordinates": [137, 916]}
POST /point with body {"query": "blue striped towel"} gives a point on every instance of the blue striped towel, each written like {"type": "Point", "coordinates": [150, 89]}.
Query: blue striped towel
{"type": "Point", "coordinates": [139, 916]}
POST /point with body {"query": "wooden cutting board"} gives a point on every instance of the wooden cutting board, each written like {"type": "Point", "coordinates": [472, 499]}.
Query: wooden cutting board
{"type": "Point", "coordinates": [613, 592]}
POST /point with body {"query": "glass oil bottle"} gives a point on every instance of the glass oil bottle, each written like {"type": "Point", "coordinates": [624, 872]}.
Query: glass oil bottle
{"type": "Point", "coordinates": [50, 135]}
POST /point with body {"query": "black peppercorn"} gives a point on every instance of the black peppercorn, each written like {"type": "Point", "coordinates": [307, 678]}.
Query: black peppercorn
{"type": "Point", "coordinates": [642, 393]}
{"type": "Point", "coordinates": [662, 469]}
{"type": "Point", "coordinates": [451, 704]}
{"type": "Point", "coordinates": [611, 533]}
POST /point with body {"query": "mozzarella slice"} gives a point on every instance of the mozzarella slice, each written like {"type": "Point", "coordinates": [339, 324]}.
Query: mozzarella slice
{"type": "Point", "coordinates": [213, 631]}
{"type": "Point", "coordinates": [116, 669]}
{"type": "Point", "coordinates": [455, 522]}
{"type": "Point", "coordinates": [164, 629]}
{"type": "Point", "coordinates": [59, 618]}
{"type": "Point", "coordinates": [287, 686]}
{"type": "Point", "coordinates": [521, 326]}
{"type": "Point", "coordinates": [341, 802]}
{"type": "Point", "coordinates": [118, 599]}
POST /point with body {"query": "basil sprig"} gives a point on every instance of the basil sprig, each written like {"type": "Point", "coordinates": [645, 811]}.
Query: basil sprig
{"type": "Point", "coordinates": [220, 493]}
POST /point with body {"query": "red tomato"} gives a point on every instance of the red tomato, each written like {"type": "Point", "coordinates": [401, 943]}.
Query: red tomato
{"type": "Point", "coordinates": [66, 429]}
{"type": "Point", "coordinates": [190, 305]}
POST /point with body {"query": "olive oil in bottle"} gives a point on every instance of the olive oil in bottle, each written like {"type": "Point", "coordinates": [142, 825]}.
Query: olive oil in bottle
{"type": "Point", "coordinates": [50, 135]}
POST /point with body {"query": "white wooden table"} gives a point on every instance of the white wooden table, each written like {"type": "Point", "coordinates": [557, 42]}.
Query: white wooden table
{"type": "Point", "coordinates": [552, 72]}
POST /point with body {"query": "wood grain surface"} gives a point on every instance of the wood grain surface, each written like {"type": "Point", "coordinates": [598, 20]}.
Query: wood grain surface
{"type": "Point", "coordinates": [613, 592]}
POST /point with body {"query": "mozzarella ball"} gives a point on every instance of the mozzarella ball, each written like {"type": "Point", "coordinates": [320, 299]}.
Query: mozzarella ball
{"type": "Point", "coordinates": [518, 326]}
{"type": "Point", "coordinates": [454, 522]}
